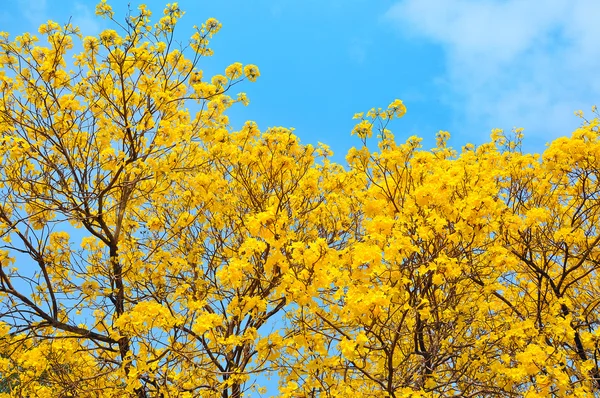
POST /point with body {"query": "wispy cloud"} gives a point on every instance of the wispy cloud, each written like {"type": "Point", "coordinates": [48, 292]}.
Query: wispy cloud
{"type": "Point", "coordinates": [512, 63]}
{"type": "Point", "coordinates": [85, 17]}
{"type": "Point", "coordinates": [358, 50]}
{"type": "Point", "coordinates": [34, 11]}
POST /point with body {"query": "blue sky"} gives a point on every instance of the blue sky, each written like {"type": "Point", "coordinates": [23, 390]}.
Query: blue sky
{"type": "Point", "coordinates": [465, 66]}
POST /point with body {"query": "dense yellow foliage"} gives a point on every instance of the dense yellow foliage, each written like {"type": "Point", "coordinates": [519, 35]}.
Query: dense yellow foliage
{"type": "Point", "coordinates": [151, 251]}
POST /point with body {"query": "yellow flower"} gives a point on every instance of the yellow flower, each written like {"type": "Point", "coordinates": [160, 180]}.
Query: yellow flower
{"type": "Point", "coordinates": [364, 129]}
{"type": "Point", "coordinates": [90, 43]}
{"type": "Point", "coordinates": [104, 10]}
{"type": "Point", "coordinates": [212, 26]}
{"type": "Point", "coordinates": [398, 108]}
{"type": "Point", "coordinates": [437, 279]}
{"type": "Point", "coordinates": [251, 72]}
{"type": "Point", "coordinates": [110, 37]}
{"type": "Point", "coordinates": [154, 224]}
{"type": "Point", "coordinates": [234, 71]}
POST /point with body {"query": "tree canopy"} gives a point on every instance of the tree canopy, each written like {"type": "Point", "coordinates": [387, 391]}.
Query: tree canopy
{"type": "Point", "coordinates": [149, 249]}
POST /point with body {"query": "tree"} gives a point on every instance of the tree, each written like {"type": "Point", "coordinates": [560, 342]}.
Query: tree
{"type": "Point", "coordinates": [473, 274]}
{"type": "Point", "coordinates": [176, 250]}
{"type": "Point", "coordinates": [149, 249]}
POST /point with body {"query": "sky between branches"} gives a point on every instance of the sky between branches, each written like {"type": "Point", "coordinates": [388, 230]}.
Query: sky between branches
{"type": "Point", "coordinates": [465, 66]}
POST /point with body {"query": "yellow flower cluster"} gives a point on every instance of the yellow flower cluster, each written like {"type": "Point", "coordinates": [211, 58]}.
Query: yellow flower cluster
{"type": "Point", "coordinates": [151, 249]}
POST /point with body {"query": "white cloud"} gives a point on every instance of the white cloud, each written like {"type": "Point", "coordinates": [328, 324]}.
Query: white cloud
{"type": "Point", "coordinates": [86, 19]}
{"type": "Point", "coordinates": [358, 50]}
{"type": "Point", "coordinates": [512, 62]}
{"type": "Point", "coordinates": [34, 11]}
